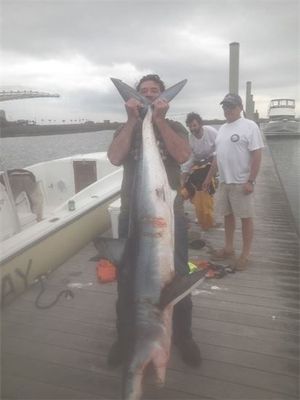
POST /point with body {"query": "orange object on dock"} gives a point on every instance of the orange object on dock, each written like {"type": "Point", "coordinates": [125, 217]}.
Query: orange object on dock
{"type": "Point", "coordinates": [106, 271]}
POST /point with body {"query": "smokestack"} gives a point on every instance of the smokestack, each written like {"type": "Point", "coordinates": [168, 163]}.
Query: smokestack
{"type": "Point", "coordinates": [248, 100]}
{"type": "Point", "coordinates": [234, 67]}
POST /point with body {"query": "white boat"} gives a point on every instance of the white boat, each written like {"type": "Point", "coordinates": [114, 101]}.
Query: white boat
{"type": "Point", "coordinates": [282, 118]}
{"type": "Point", "coordinates": [76, 193]}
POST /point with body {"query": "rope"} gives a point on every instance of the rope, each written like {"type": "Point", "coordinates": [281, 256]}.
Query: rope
{"type": "Point", "coordinates": [67, 292]}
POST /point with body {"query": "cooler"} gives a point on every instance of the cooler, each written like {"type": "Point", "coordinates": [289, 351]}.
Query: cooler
{"type": "Point", "coordinates": [114, 211]}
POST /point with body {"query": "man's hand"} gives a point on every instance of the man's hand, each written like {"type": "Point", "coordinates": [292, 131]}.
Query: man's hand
{"type": "Point", "coordinates": [184, 178]}
{"type": "Point", "coordinates": [205, 184]}
{"type": "Point", "coordinates": [248, 187]}
{"type": "Point", "coordinates": [133, 108]}
{"type": "Point", "coordinates": [160, 108]}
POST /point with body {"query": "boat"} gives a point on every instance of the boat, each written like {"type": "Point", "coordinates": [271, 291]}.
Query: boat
{"type": "Point", "coordinates": [282, 119]}
{"type": "Point", "coordinates": [75, 194]}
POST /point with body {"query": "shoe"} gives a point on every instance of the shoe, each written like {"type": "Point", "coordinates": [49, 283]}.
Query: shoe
{"type": "Point", "coordinates": [189, 352]}
{"type": "Point", "coordinates": [217, 225]}
{"type": "Point", "coordinates": [222, 255]}
{"type": "Point", "coordinates": [116, 355]}
{"type": "Point", "coordinates": [241, 264]}
{"type": "Point", "coordinates": [197, 244]}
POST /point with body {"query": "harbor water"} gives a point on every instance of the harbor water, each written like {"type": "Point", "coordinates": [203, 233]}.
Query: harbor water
{"type": "Point", "coordinates": [23, 151]}
{"type": "Point", "coordinates": [286, 157]}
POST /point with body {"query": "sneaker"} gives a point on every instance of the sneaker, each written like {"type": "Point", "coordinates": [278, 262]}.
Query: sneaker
{"type": "Point", "coordinates": [189, 352]}
{"type": "Point", "coordinates": [116, 355]}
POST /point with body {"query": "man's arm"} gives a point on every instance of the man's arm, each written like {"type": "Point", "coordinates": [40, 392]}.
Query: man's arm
{"type": "Point", "coordinates": [177, 146]}
{"type": "Point", "coordinates": [212, 172]}
{"type": "Point", "coordinates": [184, 177]}
{"type": "Point", "coordinates": [121, 144]}
{"type": "Point", "coordinates": [254, 169]}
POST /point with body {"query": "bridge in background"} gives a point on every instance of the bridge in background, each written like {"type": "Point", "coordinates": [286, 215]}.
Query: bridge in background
{"type": "Point", "coordinates": [23, 94]}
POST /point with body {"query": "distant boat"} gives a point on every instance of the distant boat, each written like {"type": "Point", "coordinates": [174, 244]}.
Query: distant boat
{"type": "Point", "coordinates": [76, 193]}
{"type": "Point", "coordinates": [282, 118]}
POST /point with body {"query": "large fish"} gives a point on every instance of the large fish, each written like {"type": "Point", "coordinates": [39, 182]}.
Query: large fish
{"type": "Point", "coordinates": [148, 257]}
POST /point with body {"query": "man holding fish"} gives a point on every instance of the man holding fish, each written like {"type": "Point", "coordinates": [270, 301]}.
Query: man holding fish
{"type": "Point", "coordinates": [125, 149]}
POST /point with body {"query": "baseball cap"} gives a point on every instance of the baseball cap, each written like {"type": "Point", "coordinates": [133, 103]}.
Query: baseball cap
{"type": "Point", "coordinates": [232, 98]}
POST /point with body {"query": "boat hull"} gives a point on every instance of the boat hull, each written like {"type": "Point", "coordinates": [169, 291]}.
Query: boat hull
{"type": "Point", "coordinates": [20, 270]}
{"type": "Point", "coordinates": [283, 128]}
{"type": "Point", "coordinates": [76, 210]}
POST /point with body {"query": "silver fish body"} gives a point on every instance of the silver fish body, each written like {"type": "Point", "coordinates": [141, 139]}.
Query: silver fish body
{"type": "Point", "coordinates": [154, 265]}
{"type": "Point", "coordinates": [146, 257]}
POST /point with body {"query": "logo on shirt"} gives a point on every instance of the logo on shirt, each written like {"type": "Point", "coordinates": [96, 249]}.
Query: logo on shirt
{"type": "Point", "coordinates": [234, 138]}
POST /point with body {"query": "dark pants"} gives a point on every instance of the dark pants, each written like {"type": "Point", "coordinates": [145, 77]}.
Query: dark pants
{"type": "Point", "coordinates": [182, 316]}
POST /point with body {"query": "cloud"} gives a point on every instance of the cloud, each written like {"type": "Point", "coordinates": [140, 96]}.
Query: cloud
{"type": "Point", "coordinates": [74, 47]}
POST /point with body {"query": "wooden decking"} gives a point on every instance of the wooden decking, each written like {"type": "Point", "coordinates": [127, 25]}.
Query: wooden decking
{"type": "Point", "coordinates": [246, 324]}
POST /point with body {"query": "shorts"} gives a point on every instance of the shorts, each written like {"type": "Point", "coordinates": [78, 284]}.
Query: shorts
{"type": "Point", "coordinates": [231, 199]}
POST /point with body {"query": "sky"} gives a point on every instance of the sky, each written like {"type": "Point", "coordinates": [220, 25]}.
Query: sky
{"type": "Point", "coordinates": [73, 47]}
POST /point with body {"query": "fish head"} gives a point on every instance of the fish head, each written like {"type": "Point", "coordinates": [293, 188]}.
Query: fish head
{"type": "Point", "coordinates": [152, 348]}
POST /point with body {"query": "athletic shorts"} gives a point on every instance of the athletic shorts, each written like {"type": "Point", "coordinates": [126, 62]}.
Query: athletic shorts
{"type": "Point", "coordinates": [231, 199]}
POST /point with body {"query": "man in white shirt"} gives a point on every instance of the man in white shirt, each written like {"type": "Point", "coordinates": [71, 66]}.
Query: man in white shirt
{"type": "Point", "coordinates": [238, 157]}
{"type": "Point", "coordinates": [194, 171]}
{"type": "Point", "coordinates": [202, 142]}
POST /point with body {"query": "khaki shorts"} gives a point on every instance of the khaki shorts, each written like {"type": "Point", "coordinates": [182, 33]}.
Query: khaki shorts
{"type": "Point", "coordinates": [231, 199]}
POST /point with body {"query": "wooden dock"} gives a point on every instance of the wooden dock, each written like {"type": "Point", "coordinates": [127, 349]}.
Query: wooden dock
{"type": "Point", "coordinates": [246, 324]}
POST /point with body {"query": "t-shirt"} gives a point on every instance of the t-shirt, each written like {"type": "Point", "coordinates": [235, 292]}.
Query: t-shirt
{"type": "Point", "coordinates": [171, 165]}
{"type": "Point", "coordinates": [202, 148]}
{"type": "Point", "coordinates": [234, 143]}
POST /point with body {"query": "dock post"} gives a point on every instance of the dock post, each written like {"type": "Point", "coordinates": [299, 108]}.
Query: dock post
{"type": "Point", "coordinates": [248, 100]}
{"type": "Point", "coordinates": [234, 67]}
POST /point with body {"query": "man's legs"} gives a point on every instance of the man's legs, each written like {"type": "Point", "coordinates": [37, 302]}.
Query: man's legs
{"type": "Point", "coordinates": [224, 207]}
{"type": "Point", "coordinates": [228, 250]}
{"type": "Point", "coordinates": [247, 233]}
{"type": "Point", "coordinates": [229, 225]}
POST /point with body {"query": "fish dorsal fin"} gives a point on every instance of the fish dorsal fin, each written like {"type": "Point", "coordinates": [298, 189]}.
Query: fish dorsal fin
{"type": "Point", "coordinates": [180, 287]}
{"type": "Point", "coordinates": [111, 249]}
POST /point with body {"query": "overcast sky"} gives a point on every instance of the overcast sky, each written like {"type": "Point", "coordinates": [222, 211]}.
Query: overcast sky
{"type": "Point", "coordinates": [73, 47]}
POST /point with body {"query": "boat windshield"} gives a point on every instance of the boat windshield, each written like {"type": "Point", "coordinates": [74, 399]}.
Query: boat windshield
{"type": "Point", "coordinates": [282, 103]}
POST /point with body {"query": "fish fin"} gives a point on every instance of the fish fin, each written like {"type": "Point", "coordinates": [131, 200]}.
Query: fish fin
{"type": "Point", "coordinates": [127, 92]}
{"type": "Point", "coordinates": [111, 249]}
{"type": "Point", "coordinates": [180, 287]}
{"type": "Point", "coordinates": [172, 91]}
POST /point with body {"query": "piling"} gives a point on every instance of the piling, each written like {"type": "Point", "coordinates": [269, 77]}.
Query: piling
{"type": "Point", "coordinates": [234, 49]}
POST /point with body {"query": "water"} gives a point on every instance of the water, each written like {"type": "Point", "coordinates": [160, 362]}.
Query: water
{"type": "Point", "coordinates": [286, 154]}
{"type": "Point", "coordinates": [23, 151]}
